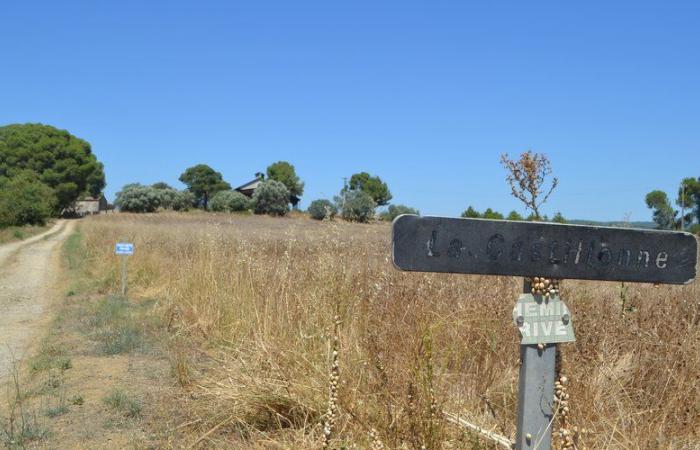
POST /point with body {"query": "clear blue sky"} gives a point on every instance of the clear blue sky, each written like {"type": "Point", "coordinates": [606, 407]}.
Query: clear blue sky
{"type": "Point", "coordinates": [425, 94]}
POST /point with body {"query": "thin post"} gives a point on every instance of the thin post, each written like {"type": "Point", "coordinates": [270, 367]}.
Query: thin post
{"type": "Point", "coordinates": [123, 270]}
{"type": "Point", "coordinates": [682, 206]}
{"type": "Point", "coordinates": [535, 394]}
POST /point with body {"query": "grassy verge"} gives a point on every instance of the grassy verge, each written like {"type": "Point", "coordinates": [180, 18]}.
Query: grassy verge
{"type": "Point", "coordinates": [13, 234]}
{"type": "Point", "coordinates": [95, 380]}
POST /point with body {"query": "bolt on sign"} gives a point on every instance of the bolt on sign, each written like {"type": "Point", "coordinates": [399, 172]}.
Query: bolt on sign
{"type": "Point", "coordinates": [553, 251]}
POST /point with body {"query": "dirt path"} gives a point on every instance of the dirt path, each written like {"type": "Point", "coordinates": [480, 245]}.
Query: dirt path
{"type": "Point", "coordinates": [27, 272]}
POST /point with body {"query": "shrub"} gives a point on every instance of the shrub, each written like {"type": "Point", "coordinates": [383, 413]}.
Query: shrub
{"type": "Point", "coordinates": [24, 200]}
{"type": "Point", "coordinates": [322, 209]}
{"type": "Point", "coordinates": [183, 201]}
{"type": "Point", "coordinates": [358, 206]}
{"type": "Point", "coordinates": [395, 211]}
{"type": "Point", "coordinates": [138, 198]}
{"type": "Point", "coordinates": [271, 197]}
{"type": "Point", "coordinates": [229, 201]}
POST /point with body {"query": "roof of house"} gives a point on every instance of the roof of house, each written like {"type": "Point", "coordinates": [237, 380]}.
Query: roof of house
{"type": "Point", "coordinates": [249, 185]}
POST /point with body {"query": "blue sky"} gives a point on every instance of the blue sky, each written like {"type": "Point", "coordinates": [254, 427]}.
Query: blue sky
{"type": "Point", "coordinates": [425, 94]}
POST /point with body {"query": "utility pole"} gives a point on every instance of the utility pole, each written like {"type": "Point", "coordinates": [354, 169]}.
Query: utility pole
{"type": "Point", "coordinates": [682, 206]}
{"type": "Point", "coordinates": [345, 191]}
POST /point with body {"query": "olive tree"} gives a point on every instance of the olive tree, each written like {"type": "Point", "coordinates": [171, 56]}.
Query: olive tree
{"type": "Point", "coordinates": [358, 206]}
{"type": "Point", "coordinates": [322, 209]}
{"type": "Point", "coordinates": [229, 201]}
{"type": "Point", "coordinates": [138, 198]}
{"type": "Point", "coordinates": [395, 211]}
{"type": "Point", "coordinates": [271, 197]}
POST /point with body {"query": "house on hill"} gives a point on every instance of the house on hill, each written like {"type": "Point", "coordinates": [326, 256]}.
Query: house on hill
{"type": "Point", "coordinates": [92, 205]}
{"type": "Point", "coordinates": [248, 188]}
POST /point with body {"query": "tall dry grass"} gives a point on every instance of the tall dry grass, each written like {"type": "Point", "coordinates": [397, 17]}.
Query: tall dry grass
{"type": "Point", "coordinates": [251, 303]}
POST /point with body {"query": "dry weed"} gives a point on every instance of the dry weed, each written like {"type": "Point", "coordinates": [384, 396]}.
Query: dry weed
{"type": "Point", "coordinates": [258, 297]}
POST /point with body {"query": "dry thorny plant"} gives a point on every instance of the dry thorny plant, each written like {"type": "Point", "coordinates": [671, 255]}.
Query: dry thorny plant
{"type": "Point", "coordinates": [256, 300]}
{"type": "Point", "coordinates": [527, 178]}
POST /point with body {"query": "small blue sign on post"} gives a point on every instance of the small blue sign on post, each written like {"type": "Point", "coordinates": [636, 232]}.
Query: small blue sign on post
{"type": "Point", "coordinates": [124, 248]}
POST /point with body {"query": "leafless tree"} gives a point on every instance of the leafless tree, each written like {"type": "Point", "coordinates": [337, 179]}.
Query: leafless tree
{"type": "Point", "coordinates": [527, 177]}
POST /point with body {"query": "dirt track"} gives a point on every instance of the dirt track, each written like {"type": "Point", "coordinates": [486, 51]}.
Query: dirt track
{"type": "Point", "coordinates": [27, 274]}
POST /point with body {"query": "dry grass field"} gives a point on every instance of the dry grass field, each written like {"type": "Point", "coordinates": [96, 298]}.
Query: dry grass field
{"type": "Point", "coordinates": [254, 307]}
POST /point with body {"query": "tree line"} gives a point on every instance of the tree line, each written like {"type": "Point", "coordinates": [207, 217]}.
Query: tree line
{"type": "Point", "coordinates": [667, 217]}
{"type": "Point", "coordinates": [279, 190]}
{"type": "Point", "coordinates": [489, 213]}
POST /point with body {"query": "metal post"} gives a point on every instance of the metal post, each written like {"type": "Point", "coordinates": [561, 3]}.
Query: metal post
{"type": "Point", "coordinates": [535, 394]}
{"type": "Point", "coordinates": [123, 269]}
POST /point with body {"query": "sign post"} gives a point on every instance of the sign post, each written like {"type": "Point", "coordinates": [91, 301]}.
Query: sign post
{"type": "Point", "coordinates": [123, 249]}
{"type": "Point", "coordinates": [536, 249]}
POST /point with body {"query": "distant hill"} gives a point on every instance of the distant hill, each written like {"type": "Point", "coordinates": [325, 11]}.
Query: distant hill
{"type": "Point", "coordinates": [618, 223]}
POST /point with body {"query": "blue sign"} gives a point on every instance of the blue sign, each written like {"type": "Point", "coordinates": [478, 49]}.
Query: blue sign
{"type": "Point", "coordinates": [124, 248]}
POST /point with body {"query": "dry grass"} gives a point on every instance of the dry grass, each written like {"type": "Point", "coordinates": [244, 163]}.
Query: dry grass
{"type": "Point", "coordinates": [250, 304]}
{"type": "Point", "coordinates": [12, 234]}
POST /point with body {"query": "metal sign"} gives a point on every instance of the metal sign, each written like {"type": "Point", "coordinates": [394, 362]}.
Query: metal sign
{"type": "Point", "coordinates": [501, 247]}
{"type": "Point", "coordinates": [543, 320]}
{"type": "Point", "coordinates": [124, 248]}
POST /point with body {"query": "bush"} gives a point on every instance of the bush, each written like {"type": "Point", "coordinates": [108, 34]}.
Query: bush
{"type": "Point", "coordinates": [138, 198]}
{"type": "Point", "coordinates": [322, 209]}
{"type": "Point", "coordinates": [358, 206]}
{"type": "Point", "coordinates": [183, 201]}
{"type": "Point", "coordinates": [171, 198]}
{"type": "Point", "coordinates": [229, 201]}
{"type": "Point", "coordinates": [271, 197]}
{"type": "Point", "coordinates": [395, 211]}
{"type": "Point", "coordinates": [24, 200]}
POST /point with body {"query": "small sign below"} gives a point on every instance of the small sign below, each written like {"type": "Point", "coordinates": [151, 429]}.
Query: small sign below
{"type": "Point", "coordinates": [124, 248]}
{"type": "Point", "coordinates": [543, 320]}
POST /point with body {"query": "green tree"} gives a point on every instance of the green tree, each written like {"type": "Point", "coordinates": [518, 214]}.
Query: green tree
{"type": "Point", "coordinates": [513, 215]}
{"type": "Point", "coordinates": [358, 206]}
{"type": "Point", "coordinates": [663, 213]}
{"type": "Point", "coordinates": [59, 160]}
{"type": "Point", "coordinates": [203, 182]}
{"type": "Point", "coordinates": [138, 198]}
{"type": "Point", "coordinates": [229, 201]}
{"type": "Point", "coordinates": [371, 185]}
{"type": "Point", "coordinates": [558, 218]}
{"type": "Point", "coordinates": [162, 185]}
{"type": "Point", "coordinates": [284, 172]}
{"type": "Point", "coordinates": [271, 197]}
{"type": "Point", "coordinates": [471, 213]}
{"type": "Point", "coordinates": [322, 209]}
{"type": "Point", "coordinates": [395, 211]}
{"type": "Point", "coordinates": [24, 200]}
{"type": "Point", "coordinates": [691, 188]}
{"type": "Point", "coordinates": [491, 214]}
